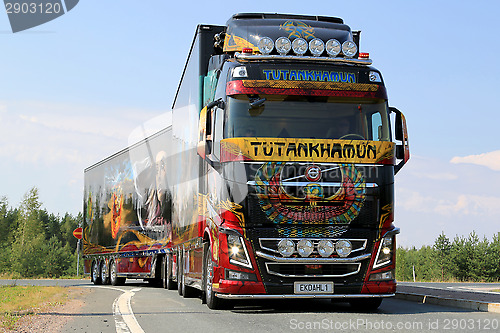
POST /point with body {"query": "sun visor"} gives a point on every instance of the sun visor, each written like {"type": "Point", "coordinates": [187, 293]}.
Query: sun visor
{"type": "Point", "coordinates": [245, 30]}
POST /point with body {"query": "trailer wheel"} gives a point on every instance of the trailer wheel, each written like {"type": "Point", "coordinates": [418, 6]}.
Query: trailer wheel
{"type": "Point", "coordinates": [104, 274]}
{"type": "Point", "coordinates": [113, 278]}
{"type": "Point", "coordinates": [95, 276]}
{"type": "Point", "coordinates": [168, 282]}
{"type": "Point", "coordinates": [179, 273]}
{"type": "Point", "coordinates": [182, 288]}
{"type": "Point", "coordinates": [213, 302]}
{"type": "Point", "coordinates": [366, 304]}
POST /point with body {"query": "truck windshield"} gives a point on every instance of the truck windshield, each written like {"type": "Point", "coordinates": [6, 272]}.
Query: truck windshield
{"type": "Point", "coordinates": [315, 117]}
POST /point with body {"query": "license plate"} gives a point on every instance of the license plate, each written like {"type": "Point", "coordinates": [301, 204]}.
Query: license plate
{"type": "Point", "coordinates": [313, 287]}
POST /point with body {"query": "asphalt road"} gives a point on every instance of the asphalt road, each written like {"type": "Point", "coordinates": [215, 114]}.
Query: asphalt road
{"type": "Point", "coordinates": [138, 307]}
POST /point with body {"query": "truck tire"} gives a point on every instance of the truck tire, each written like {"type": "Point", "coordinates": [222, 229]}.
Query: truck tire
{"type": "Point", "coordinates": [168, 282]}
{"type": "Point", "coordinates": [213, 302]}
{"type": "Point", "coordinates": [113, 278]}
{"type": "Point", "coordinates": [95, 273]}
{"type": "Point", "coordinates": [366, 304]}
{"type": "Point", "coordinates": [104, 273]}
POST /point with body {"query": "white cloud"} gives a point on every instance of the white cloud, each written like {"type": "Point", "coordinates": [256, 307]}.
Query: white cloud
{"type": "Point", "coordinates": [434, 196]}
{"type": "Point", "coordinates": [39, 132]}
{"type": "Point", "coordinates": [490, 160]}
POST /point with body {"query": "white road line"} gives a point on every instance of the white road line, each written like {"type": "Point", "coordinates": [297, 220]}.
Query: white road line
{"type": "Point", "coordinates": [125, 320]}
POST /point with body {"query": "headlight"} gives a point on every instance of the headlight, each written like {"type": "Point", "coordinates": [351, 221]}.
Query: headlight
{"type": "Point", "coordinates": [283, 45]}
{"type": "Point", "coordinates": [349, 49]}
{"type": "Point", "coordinates": [385, 251]}
{"type": "Point", "coordinates": [299, 46]}
{"type": "Point", "coordinates": [316, 46]}
{"type": "Point", "coordinates": [266, 45]}
{"type": "Point", "coordinates": [305, 247]}
{"type": "Point", "coordinates": [343, 247]}
{"type": "Point", "coordinates": [238, 254]}
{"type": "Point", "coordinates": [286, 247]}
{"type": "Point", "coordinates": [325, 248]}
{"type": "Point", "coordinates": [333, 47]}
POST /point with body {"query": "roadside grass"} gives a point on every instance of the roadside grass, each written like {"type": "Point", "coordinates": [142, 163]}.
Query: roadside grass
{"type": "Point", "coordinates": [17, 302]}
{"type": "Point", "coordinates": [496, 290]}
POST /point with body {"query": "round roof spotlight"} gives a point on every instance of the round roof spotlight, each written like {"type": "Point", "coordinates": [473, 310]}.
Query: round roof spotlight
{"type": "Point", "coordinates": [333, 47]}
{"type": "Point", "coordinates": [283, 45]}
{"type": "Point", "coordinates": [299, 46]}
{"type": "Point", "coordinates": [349, 49]}
{"type": "Point", "coordinates": [286, 247]}
{"type": "Point", "coordinates": [343, 247]}
{"type": "Point", "coordinates": [266, 45]}
{"type": "Point", "coordinates": [325, 248]}
{"type": "Point", "coordinates": [305, 247]}
{"type": "Point", "coordinates": [316, 46]}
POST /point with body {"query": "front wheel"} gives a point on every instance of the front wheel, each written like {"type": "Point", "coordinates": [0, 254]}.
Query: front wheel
{"type": "Point", "coordinates": [213, 302]}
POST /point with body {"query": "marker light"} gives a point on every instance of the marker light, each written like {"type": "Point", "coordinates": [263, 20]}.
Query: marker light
{"type": "Point", "coordinates": [286, 247]}
{"type": "Point", "coordinates": [343, 247]}
{"type": "Point", "coordinates": [305, 247]}
{"type": "Point", "coordinates": [247, 50]}
{"type": "Point", "coordinates": [283, 45]}
{"type": "Point", "coordinates": [240, 71]}
{"type": "Point", "coordinates": [333, 47]}
{"type": "Point", "coordinates": [325, 248]}
{"type": "Point", "coordinates": [316, 46]}
{"type": "Point", "coordinates": [364, 55]}
{"type": "Point", "coordinates": [349, 49]}
{"type": "Point", "coordinates": [374, 77]}
{"type": "Point", "coordinates": [266, 45]}
{"type": "Point", "coordinates": [299, 46]}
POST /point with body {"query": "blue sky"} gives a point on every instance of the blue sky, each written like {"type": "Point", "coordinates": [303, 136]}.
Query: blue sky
{"type": "Point", "coordinates": [72, 91]}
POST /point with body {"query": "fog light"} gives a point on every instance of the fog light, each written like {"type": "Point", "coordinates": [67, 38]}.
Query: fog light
{"type": "Point", "coordinates": [325, 248]}
{"type": "Point", "coordinates": [343, 247]}
{"type": "Point", "coordinates": [349, 49]}
{"type": "Point", "coordinates": [299, 46]}
{"type": "Point", "coordinates": [305, 247]}
{"type": "Point", "coordinates": [266, 45]}
{"type": "Point", "coordinates": [382, 276]}
{"type": "Point", "coordinates": [286, 247]}
{"type": "Point", "coordinates": [283, 45]}
{"type": "Point", "coordinates": [333, 47]}
{"type": "Point", "coordinates": [236, 275]}
{"type": "Point", "coordinates": [316, 46]}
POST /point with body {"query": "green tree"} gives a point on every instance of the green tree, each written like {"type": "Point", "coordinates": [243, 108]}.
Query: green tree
{"type": "Point", "coordinates": [57, 258]}
{"type": "Point", "coordinates": [442, 245]}
{"type": "Point", "coordinates": [27, 249]}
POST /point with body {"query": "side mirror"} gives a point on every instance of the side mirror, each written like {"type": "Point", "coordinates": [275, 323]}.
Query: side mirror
{"type": "Point", "coordinates": [401, 134]}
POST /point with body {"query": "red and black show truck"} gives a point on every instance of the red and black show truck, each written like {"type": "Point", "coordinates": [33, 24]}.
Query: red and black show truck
{"type": "Point", "coordinates": [274, 177]}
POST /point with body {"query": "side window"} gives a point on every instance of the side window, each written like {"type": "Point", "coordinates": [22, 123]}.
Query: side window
{"type": "Point", "coordinates": [377, 128]}
{"type": "Point", "coordinates": [217, 131]}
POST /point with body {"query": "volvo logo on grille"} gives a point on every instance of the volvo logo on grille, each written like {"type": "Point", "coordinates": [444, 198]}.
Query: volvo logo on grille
{"type": "Point", "coordinates": [313, 173]}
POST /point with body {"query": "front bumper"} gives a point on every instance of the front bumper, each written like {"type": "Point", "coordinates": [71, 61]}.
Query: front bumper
{"type": "Point", "coordinates": [300, 296]}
